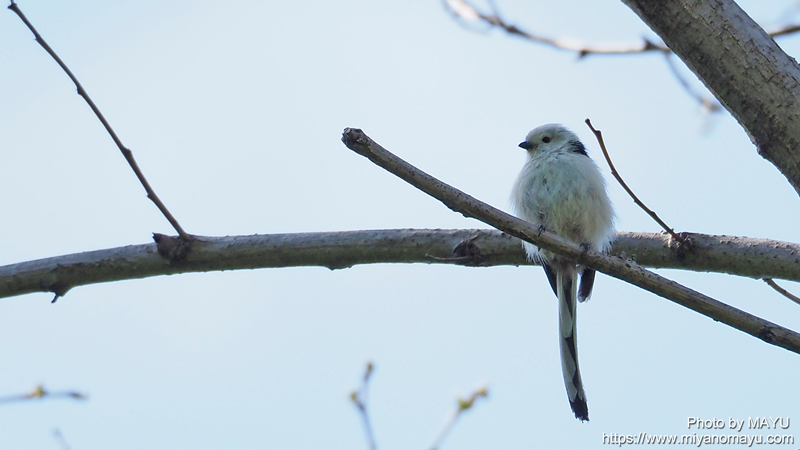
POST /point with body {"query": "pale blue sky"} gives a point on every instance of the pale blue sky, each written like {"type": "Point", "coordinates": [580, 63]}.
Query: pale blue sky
{"type": "Point", "coordinates": [234, 111]}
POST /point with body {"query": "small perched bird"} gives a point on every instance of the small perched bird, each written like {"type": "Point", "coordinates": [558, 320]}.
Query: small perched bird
{"type": "Point", "coordinates": [561, 190]}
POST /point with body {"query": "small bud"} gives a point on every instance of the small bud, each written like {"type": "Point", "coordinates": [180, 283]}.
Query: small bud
{"type": "Point", "coordinates": [368, 373]}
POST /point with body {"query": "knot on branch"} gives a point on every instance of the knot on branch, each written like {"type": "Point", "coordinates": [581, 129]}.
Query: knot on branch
{"type": "Point", "coordinates": [681, 244]}
{"type": "Point", "coordinates": [469, 252]}
{"type": "Point", "coordinates": [353, 137]}
{"type": "Point", "coordinates": [766, 334]}
{"type": "Point", "coordinates": [173, 248]}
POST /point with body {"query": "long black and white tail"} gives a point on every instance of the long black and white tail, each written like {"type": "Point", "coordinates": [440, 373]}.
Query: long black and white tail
{"type": "Point", "coordinates": [567, 287]}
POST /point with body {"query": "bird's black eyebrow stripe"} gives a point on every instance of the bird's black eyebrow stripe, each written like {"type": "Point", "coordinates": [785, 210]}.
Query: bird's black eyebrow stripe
{"type": "Point", "coordinates": [577, 147]}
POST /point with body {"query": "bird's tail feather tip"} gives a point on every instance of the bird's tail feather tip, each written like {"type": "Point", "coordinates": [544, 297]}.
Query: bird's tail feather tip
{"type": "Point", "coordinates": [581, 409]}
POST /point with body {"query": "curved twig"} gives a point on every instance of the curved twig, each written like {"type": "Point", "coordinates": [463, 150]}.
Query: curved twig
{"type": "Point", "coordinates": [781, 290]}
{"type": "Point", "coordinates": [464, 10]}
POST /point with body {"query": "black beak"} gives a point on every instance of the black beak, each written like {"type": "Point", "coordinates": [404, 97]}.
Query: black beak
{"type": "Point", "coordinates": [526, 145]}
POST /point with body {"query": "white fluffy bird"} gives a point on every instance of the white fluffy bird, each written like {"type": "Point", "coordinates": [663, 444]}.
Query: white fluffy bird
{"type": "Point", "coordinates": [561, 190]}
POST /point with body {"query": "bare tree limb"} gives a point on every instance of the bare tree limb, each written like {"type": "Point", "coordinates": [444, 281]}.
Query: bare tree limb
{"type": "Point", "coordinates": [126, 153]}
{"type": "Point", "coordinates": [464, 10]}
{"type": "Point", "coordinates": [626, 270]}
{"type": "Point", "coordinates": [741, 65]}
{"type": "Point", "coordinates": [748, 257]}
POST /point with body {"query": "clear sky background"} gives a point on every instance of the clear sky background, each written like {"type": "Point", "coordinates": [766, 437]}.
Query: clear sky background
{"type": "Point", "coordinates": [234, 111]}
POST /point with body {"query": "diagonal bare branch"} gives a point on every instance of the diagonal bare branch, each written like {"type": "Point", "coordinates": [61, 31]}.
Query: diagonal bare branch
{"type": "Point", "coordinates": [626, 270]}
{"type": "Point", "coordinates": [126, 153]}
{"type": "Point", "coordinates": [599, 136]}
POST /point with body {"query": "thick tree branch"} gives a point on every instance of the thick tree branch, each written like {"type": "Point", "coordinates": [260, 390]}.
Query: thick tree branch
{"type": "Point", "coordinates": [741, 65]}
{"type": "Point", "coordinates": [626, 270]}
{"type": "Point", "coordinates": [754, 258]}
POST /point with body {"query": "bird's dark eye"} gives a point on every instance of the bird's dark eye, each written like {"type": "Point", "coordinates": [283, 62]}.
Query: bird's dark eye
{"type": "Point", "coordinates": [546, 139]}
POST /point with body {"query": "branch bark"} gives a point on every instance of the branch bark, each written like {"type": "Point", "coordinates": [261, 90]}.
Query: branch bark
{"type": "Point", "coordinates": [741, 65]}
{"type": "Point", "coordinates": [624, 269]}
{"type": "Point", "coordinates": [748, 257]}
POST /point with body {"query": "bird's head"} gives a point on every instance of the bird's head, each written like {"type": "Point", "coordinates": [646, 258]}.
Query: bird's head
{"type": "Point", "coordinates": [552, 136]}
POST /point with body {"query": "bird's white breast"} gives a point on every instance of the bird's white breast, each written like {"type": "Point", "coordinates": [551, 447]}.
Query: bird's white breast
{"type": "Point", "coordinates": [565, 193]}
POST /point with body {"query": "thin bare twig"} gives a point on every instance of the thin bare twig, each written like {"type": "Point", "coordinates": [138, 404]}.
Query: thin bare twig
{"type": "Point", "coordinates": [464, 404]}
{"type": "Point", "coordinates": [783, 291]}
{"type": "Point", "coordinates": [784, 30]}
{"type": "Point", "coordinates": [463, 10]}
{"type": "Point", "coordinates": [599, 136]}
{"type": "Point", "coordinates": [360, 397]}
{"type": "Point", "coordinates": [623, 269]}
{"type": "Point", "coordinates": [125, 151]}
{"type": "Point", "coordinates": [708, 104]}
{"type": "Point", "coordinates": [39, 392]}
{"type": "Point", "coordinates": [61, 440]}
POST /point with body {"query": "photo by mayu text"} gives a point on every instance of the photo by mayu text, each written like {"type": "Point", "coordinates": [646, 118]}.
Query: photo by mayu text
{"type": "Point", "coordinates": [752, 423]}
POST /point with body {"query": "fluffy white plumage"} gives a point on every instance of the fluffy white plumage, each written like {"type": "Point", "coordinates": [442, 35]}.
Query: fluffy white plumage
{"type": "Point", "coordinates": [561, 189]}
